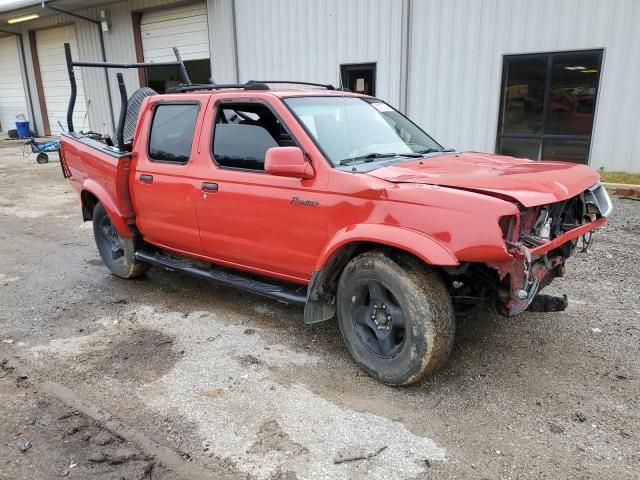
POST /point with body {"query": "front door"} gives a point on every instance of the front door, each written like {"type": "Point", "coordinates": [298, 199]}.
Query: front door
{"type": "Point", "coordinates": [162, 186]}
{"type": "Point", "coordinates": [250, 219]}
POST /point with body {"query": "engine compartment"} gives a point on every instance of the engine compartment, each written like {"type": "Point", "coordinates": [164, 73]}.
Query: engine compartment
{"type": "Point", "coordinates": [540, 240]}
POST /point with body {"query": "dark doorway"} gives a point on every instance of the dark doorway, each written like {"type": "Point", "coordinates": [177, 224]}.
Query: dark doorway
{"type": "Point", "coordinates": [163, 78]}
{"type": "Point", "coordinates": [359, 77]}
{"type": "Point", "coordinates": [548, 104]}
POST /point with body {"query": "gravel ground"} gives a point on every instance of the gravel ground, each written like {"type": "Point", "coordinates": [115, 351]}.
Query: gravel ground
{"type": "Point", "coordinates": [239, 386]}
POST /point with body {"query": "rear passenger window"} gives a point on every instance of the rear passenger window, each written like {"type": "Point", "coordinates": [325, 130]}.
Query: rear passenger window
{"type": "Point", "coordinates": [244, 132]}
{"type": "Point", "coordinates": [172, 132]}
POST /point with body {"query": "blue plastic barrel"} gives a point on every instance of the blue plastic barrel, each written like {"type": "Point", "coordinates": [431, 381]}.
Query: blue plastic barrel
{"type": "Point", "coordinates": [23, 129]}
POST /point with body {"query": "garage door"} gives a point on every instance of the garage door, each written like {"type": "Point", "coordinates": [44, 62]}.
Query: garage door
{"type": "Point", "coordinates": [183, 27]}
{"type": "Point", "coordinates": [55, 79]}
{"type": "Point", "coordinates": [12, 97]}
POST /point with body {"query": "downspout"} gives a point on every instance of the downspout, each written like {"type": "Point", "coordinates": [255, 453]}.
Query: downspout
{"type": "Point", "coordinates": [25, 76]}
{"type": "Point", "coordinates": [235, 39]}
{"type": "Point", "coordinates": [405, 52]}
{"type": "Point", "coordinates": [102, 51]}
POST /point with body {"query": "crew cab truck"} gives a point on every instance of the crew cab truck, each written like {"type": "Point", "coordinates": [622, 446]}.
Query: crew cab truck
{"type": "Point", "coordinates": [336, 201]}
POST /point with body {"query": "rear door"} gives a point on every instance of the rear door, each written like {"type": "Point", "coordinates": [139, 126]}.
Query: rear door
{"type": "Point", "coordinates": [163, 189]}
{"type": "Point", "coordinates": [253, 220]}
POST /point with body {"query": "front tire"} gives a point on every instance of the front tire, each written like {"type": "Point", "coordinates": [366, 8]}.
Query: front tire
{"type": "Point", "coordinates": [117, 253]}
{"type": "Point", "coordinates": [395, 316]}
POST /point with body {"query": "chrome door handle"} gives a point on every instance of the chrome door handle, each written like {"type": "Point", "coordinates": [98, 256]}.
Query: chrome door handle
{"type": "Point", "coordinates": [146, 178]}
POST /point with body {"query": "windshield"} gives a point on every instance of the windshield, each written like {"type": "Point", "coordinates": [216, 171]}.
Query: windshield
{"type": "Point", "coordinates": [354, 129]}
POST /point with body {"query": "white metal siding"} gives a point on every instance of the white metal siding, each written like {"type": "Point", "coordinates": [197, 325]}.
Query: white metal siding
{"type": "Point", "coordinates": [455, 66]}
{"type": "Point", "coordinates": [308, 40]}
{"type": "Point", "coordinates": [119, 46]}
{"type": "Point", "coordinates": [12, 97]}
{"type": "Point", "coordinates": [221, 40]}
{"type": "Point", "coordinates": [55, 79]}
{"type": "Point", "coordinates": [183, 27]}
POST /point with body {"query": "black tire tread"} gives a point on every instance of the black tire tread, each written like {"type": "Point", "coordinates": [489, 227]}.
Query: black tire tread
{"type": "Point", "coordinates": [431, 302]}
{"type": "Point", "coordinates": [130, 267]}
{"type": "Point", "coordinates": [133, 110]}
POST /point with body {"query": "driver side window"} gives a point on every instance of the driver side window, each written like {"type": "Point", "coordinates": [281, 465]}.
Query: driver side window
{"type": "Point", "coordinates": [243, 133]}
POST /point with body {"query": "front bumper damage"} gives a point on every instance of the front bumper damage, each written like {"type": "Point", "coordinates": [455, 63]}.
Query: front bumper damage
{"type": "Point", "coordinates": [534, 266]}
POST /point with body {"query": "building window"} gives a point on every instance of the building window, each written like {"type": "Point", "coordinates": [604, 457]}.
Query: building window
{"type": "Point", "coordinates": [359, 77]}
{"type": "Point", "coordinates": [548, 105]}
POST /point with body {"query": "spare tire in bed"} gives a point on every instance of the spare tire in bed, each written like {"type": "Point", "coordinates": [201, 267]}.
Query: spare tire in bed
{"type": "Point", "coordinates": [133, 109]}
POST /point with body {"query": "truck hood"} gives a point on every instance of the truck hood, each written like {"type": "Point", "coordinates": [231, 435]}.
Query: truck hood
{"type": "Point", "coordinates": [526, 181]}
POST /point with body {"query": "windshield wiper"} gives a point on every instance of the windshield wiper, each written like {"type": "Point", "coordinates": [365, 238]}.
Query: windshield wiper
{"type": "Point", "coordinates": [370, 157]}
{"type": "Point", "coordinates": [434, 150]}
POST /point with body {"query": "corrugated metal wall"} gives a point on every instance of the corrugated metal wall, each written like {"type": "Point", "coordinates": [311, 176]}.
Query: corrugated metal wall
{"type": "Point", "coordinates": [88, 48]}
{"type": "Point", "coordinates": [222, 42]}
{"type": "Point", "coordinates": [455, 66]}
{"type": "Point", "coordinates": [119, 47]}
{"type": "Point", "coordinates": [308, 40]}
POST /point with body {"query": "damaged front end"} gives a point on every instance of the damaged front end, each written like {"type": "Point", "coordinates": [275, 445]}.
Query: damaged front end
{"type": "Point", "coordinates": [540, 240]}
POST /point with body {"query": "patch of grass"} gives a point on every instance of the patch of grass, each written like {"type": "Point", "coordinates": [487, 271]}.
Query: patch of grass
{"type": "Point", "coordinates": [620, 177]}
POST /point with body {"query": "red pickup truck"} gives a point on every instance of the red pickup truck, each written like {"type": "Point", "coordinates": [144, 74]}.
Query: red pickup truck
{"type": "Point", "coordinates": [335, 201]}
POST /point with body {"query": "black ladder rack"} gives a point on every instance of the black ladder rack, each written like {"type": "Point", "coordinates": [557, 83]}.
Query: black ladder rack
{"type": "Point", "coordinates": [121, 87]}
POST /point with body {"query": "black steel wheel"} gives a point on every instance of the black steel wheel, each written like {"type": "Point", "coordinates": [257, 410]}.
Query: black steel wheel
{"type": "Point", "coordinates": [110, 240]}
{"type": "Point", "coordinates": [42, 158]}
{"type": "Point", "coordinates": [378, 318]}
{"type": "Point", "coordinates": [395, 316]}
{"type": "Point", "coordinates": [118, 253]}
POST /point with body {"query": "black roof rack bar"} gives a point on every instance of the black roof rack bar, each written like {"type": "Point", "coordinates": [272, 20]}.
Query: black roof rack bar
{"type": "Point", "coordinates": [217, 86]}
{"type": "Point", "coordinates": [328, 86]}
{"type": "Point", "coordinates": [250, 85]}
{"type": "Point", "coordinates": [121, 87]}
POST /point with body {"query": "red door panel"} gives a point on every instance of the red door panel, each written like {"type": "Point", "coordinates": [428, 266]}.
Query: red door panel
{"type": "Point", "coordinates": [252, 221]}
{"type": "Point", "coordinates": [164, 189]}
{"type": "Point", "coordinates": [166, 206]}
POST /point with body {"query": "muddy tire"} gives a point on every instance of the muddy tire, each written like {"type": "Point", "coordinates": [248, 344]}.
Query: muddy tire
{"type": "Point", "coordinates": [117, 253]}
{"type": "Point", "coordinates": [395, 316]}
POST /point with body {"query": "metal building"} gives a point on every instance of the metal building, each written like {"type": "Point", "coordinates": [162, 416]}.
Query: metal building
{"type": "Point", "coordinates": [543, 79]}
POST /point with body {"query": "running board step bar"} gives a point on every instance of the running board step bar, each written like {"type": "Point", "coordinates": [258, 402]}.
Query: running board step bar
{"type": "Point", "coordinates": [277, 292]}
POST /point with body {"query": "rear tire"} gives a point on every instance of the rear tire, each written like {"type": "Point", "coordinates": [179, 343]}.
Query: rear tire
{"type": "Point", "coordinates": [42, 158]}
{"type": "Point", "coordinates": [395, 316]}
{"type": "Point", "coordinates": [117, 253]}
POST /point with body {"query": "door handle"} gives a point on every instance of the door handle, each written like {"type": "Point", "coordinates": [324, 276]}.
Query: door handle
{"type": "Point", "coordinates": [210, 187]}
{"type": "Point", "coordinates": [146, 178]}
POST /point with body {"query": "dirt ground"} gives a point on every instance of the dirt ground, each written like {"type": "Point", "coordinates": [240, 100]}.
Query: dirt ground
{"type": "Point", "coordinates": [223, 384]}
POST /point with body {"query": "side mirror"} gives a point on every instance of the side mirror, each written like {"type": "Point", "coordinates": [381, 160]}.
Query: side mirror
{"type": "Point", "coordinates": [288, 162]}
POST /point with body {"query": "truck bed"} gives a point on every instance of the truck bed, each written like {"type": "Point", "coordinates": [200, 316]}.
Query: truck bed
{"type": "Point", "coordinates": [102, 171]}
